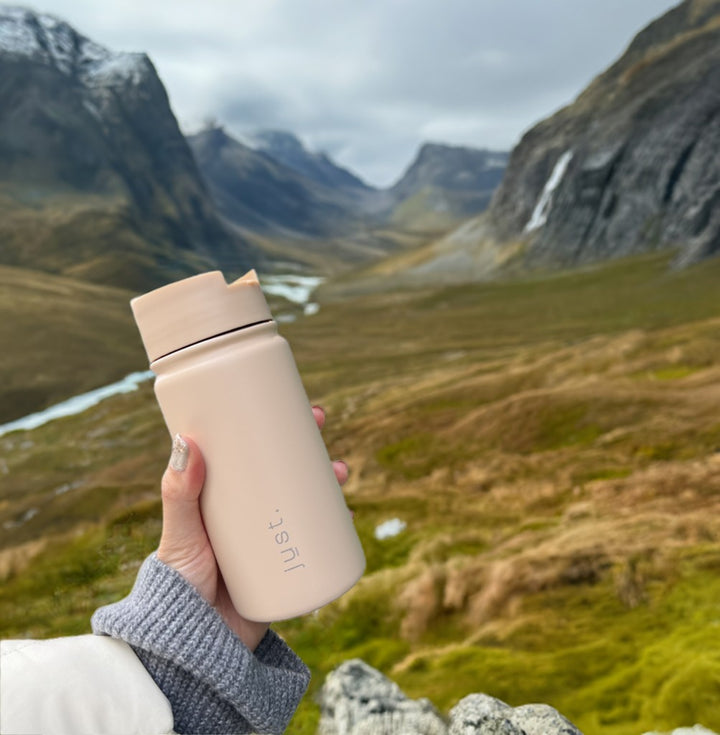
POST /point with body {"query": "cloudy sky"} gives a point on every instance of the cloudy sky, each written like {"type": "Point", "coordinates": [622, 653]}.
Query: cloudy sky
{"type": "Point", "coordinates": [368, 81]}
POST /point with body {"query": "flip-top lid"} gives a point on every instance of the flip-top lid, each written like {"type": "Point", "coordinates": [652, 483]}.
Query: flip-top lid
{"type": "Point", "coordinates": [197, 308]}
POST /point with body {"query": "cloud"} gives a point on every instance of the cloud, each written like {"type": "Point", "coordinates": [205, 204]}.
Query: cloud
{"type": "Point", "coordinates": [369, 81]}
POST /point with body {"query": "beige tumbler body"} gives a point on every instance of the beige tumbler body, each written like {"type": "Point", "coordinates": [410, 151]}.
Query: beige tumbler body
{"type": "Point", "coordinates": [274, 512]}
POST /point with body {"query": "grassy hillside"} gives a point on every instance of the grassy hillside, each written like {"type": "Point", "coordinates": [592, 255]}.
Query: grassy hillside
{"type": "Point", "coordinates": [60, 337]}
{"type": "Point", "coordinates": [96, 238]}
{"type": "Point", "coordinates": [63, 337]}
{"type": "Point", "coordinates": [554, 448]}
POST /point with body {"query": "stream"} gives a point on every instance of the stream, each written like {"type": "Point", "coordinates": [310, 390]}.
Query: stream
{"type": "Point", "coordinates": [295, 288]}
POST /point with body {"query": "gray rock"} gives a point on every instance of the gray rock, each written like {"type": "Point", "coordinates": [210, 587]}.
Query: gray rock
{"type": "Point", "coordinates": [540, 719]}
{"type": "Point", "coordinates": [358, 700]}
{"type": "Point", "coordinates": [479, 714]}
{"type": "Point", "coordinates": [463, 179]}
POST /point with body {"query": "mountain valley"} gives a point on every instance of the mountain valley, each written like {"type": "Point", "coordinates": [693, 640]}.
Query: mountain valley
{"type": "Point", "coordinates": [518, 353]}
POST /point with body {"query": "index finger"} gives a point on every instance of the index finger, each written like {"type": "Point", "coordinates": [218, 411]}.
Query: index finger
{"type": "Point", "coordinates": [319, 415]}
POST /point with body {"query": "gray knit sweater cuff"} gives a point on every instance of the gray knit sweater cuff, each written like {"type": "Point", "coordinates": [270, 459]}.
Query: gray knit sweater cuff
{"type": "Point", "coordinates": [214, 683]}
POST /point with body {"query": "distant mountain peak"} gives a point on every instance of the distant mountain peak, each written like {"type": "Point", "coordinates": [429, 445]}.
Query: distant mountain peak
{"type": "Point", "coordinates": [286, 148]}
{"type": "Point", "coordinates": [49, 40]}
{"type": "Point", "coordinates": [279, 141]}
{"type": "Point", "coordinates": [452, 167]}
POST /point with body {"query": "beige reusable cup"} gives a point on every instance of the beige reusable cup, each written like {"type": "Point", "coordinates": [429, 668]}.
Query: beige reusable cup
{"type": "Point", "coordinates": [276, 517]}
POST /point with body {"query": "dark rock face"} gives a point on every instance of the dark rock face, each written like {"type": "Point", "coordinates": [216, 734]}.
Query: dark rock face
{"type": "Point", "coordinates": [358, 700]}
{"type": "Point", "coordinates": [88, 143]}
{"type": "Point", "coordinates": [634, 163]}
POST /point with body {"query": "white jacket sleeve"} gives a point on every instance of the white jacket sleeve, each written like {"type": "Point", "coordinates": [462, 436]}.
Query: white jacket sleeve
{"type": "Point", "coordinates": [80, 685]}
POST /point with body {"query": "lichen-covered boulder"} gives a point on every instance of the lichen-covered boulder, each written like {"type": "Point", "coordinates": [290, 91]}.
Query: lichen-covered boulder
{"type": "Point", "coordinates": [479, 714]}
{"type": "Point", "coordinates": [356, 699]}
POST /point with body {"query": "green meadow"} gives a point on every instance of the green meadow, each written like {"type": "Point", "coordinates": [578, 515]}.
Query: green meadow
{"type": "Point", "coordinates": [552, 445]}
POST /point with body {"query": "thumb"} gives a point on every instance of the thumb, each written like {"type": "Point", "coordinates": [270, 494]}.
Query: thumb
{"type": "Point", "coordinates": [183, 532]}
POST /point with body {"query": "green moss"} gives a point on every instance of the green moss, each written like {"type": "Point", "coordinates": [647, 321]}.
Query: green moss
{"type": "Point", "coordinates": [690, 693]}
{"type": "Point", "coordinates": [673, 372]}
{"type": "Point", "coordinates": [52, 598]}
{"type": "Point", "coordinates": [661, 452]}
{"type": "Point", "coordinates": [72, 576]}
{"type": "Point", "coordinates": [613, 671]}
{"type": "Point", "coordinates": [564, 426]}
{"type": "Point", "coordinates": [600, 473]}
{"type": "Point", "coordinates": [413, 456]}
{"type": "Point", "coordinates": [381, 653]}
{"type": "Point", "coordinates": [384, 553]}
{"type": "Point", "coordinates": [678, 371]}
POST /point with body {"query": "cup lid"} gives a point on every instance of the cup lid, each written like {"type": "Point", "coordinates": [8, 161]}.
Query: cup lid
{"type": "Point", "coordinates": [197, 308]}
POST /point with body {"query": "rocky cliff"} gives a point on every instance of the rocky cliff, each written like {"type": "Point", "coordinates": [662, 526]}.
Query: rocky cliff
{"type": "Point", "coordinates": [634, 163]}
{"type": "Point", "coordinates": [632, 166]}
{"type": "Point", "coordinates": [96, 179]}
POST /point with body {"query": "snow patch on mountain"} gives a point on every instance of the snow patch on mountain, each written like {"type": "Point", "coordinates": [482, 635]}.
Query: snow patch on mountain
{"type": "Point", "coordinates": [542, 208]}
{"type": "Point", "coordinates": [46, 39]}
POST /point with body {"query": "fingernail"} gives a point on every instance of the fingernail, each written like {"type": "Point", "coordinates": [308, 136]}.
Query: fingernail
{"type": "Point", "coordinates": [179, 456]}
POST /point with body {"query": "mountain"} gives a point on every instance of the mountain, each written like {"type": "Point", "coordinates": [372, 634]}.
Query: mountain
{"type": "Point", "coordinates": [98, 183]}
{"type": "Point", "coordinates": [447, 183]}
{"type": "Point", "coordinates": [271, 183]}
{"type": "Point", "coordinates": [288, 149]}
{"type": "Point", "coordinates": [301, 207]}
{"type": "Point", "coordinates": [294, 220]}
{"type": "Point", "coordinates": [258, 192]}
{"type": "Point", "coordinates": [96, 180]}
{"type": "Point", "coordinates": [632, 165]}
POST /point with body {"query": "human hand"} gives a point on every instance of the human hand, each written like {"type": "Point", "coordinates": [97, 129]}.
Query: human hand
{"type": "Point", "coordinates": [184, 544]}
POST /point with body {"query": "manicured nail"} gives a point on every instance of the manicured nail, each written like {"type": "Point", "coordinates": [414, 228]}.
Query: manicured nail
{"type": "Point", "coordinates": [179, 456]}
